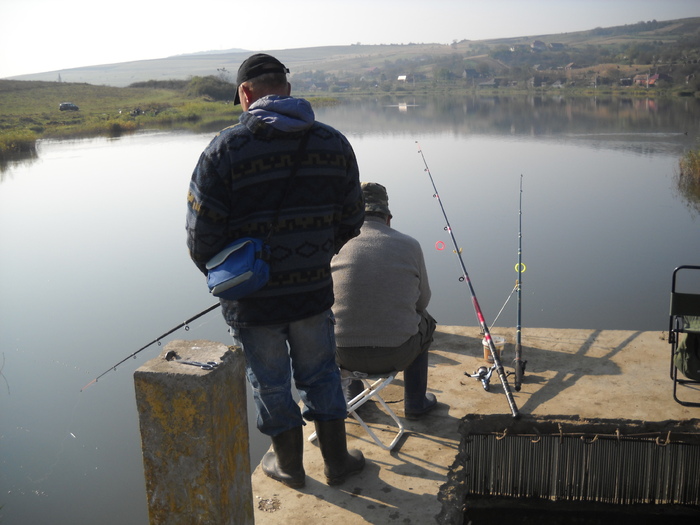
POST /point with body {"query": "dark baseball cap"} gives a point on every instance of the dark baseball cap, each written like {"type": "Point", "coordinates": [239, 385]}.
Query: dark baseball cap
{"type": "Point", "coordinates": [257, 65]}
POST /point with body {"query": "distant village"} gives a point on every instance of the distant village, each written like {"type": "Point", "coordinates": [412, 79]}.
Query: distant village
{"type": "Point", "coordinates": [493, 73]}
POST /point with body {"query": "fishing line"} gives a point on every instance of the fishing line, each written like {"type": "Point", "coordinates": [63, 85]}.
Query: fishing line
{"type": "Point", "coordinates": [477, 309]}
{"type": "Point", "coordinates": [61, 452]}
{"type": "Point", "coordinates": [7, 384]}
{"type": "Point", "coordinates": [504, 305]}
{"type": "Point", "coordinates": [184, 325]}
{"type": "Point", "coordinates": [39, 450]}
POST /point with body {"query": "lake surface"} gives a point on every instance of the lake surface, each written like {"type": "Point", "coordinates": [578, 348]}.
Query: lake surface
{"type": "Point", "coordinates": [94, 265]}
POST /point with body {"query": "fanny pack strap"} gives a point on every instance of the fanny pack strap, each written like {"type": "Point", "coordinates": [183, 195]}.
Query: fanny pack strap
{"type": "Point", "coordinates": [297, 162]}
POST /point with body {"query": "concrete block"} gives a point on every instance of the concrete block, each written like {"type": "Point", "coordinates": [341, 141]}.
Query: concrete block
{"type": "Point", "coordinates": [194, 433]}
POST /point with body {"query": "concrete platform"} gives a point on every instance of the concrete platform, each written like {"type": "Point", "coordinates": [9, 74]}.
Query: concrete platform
{"type": "Point", "coordinates": [589, 373]}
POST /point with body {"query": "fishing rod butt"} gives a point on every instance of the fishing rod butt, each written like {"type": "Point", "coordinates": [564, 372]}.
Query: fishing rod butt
{"type": "Point", "coordinates": [504, 382]}
{"type": "Point", "coordinates": [517, 384]}
{"type": "Point", "coordinates": [519, 367]}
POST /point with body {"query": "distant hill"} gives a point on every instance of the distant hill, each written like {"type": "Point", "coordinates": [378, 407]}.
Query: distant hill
{"type": "Point", "coordinates": [349, 62]}
{"type": "Point", "coordinates": [215, 52]}
{"type": "Point", "coordinates": [184, 66]}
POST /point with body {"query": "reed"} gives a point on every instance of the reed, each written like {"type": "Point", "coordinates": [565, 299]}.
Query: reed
{"type": "Point", "coordinates": [690, 165]}
{"type": "Point", "coordinates": [688, 179]}
{"type": "Point", "coordinates": [22, 141]}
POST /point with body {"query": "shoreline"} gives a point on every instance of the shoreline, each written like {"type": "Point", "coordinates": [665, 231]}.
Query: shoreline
{"type": "Point", "coordinates": [22, 128]}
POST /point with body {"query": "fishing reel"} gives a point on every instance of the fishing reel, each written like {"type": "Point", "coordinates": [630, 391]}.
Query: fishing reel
{"type": "Point", "coordinates": [483, 374]}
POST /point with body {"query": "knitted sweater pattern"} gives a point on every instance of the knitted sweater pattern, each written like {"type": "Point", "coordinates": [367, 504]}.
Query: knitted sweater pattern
{"type": "Point", "coordinates": [381, 285]}
{"type": "Point", "coordinates": [237, 186]}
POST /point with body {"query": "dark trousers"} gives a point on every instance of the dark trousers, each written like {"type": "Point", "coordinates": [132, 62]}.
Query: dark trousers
{"type": "Point", "coordinates": [378, 359]}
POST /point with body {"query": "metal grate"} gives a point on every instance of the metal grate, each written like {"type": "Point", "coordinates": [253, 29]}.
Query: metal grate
{"type": "Point", "coordinates": [622, 469]}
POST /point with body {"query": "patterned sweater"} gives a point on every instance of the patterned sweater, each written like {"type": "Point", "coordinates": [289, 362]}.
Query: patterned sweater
{"type": "Point", "coordinates": [237, 186]}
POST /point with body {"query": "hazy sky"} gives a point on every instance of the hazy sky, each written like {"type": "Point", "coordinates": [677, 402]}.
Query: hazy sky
{"type": "Point", "coordinates": [47, 35]}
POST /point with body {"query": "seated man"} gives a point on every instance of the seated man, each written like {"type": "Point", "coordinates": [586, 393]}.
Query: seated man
{"type": "Point", "coordinates": [381, 295]}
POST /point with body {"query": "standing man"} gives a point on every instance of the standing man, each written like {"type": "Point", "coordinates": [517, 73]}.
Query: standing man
{"type": "Point", "coordinates": [286, 328]}
{"type": "Point", "coordinates": [382, 292]}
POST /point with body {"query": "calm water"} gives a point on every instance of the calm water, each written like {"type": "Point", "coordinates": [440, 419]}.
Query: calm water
{"type": "Point", "coordinates": [93, 262]}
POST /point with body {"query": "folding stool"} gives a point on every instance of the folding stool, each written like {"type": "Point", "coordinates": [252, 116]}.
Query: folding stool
{"type": "Point", "coordinates": [374, 384]}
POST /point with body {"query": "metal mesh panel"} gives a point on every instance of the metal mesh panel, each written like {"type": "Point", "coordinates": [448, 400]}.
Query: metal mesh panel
{"type": "Point", "coordinates": [608, 469]}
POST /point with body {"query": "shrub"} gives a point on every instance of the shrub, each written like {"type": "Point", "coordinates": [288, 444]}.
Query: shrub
{"type": "Point", "coordinates": [211, 87]}
{"type": "Point", "coordinates": [174, 84]}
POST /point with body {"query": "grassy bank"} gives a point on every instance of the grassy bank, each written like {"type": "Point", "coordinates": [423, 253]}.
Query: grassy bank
{"type": "Point", "coordinates": [30, 111]}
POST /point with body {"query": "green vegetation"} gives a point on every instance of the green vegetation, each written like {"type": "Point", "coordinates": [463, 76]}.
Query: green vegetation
{"type": "Point", "coordinates": [22, 141]}
{"type": "Point", "coordinates": [30, 110]}
{"type": "Point", "coordinates": [210, 87]}
{"type": "Point", "coordinates": [689, 178]}
{"type": "Point", "coordinates": [690, 165]}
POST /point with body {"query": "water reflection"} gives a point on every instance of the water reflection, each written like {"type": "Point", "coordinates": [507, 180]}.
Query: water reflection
{"type": "Point", "coordinates": [638, 125]}
{"type": "Point", "coordinates": [688, 187]}
{"type": "Point", "coordinates": [24, 158]}
{"type": "Point", "coordinates": [94, 264]}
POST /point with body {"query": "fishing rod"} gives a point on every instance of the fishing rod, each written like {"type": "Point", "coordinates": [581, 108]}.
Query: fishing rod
{"type": "Point", "coordinates": [477, 309]}
{"type": "Point", "coordinates": [518, 363]}
{"type": "Point", "coordinates": [483, 374]}
{"type": "Point", "coordinates": [157, 340]}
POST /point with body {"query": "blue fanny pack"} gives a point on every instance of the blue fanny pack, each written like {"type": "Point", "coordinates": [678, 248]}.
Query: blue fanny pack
{"type": "Point", "coordinates": [240, 269]}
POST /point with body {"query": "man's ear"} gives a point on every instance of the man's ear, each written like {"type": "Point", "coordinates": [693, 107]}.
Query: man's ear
{"type": "Point", "coordinates": [246, 96]}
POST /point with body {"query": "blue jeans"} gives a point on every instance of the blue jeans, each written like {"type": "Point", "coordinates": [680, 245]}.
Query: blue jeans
{"type": "Point", "coordinates": [304, 350]}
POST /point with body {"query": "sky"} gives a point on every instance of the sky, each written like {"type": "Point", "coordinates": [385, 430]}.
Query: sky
{"type": "Point", "coordinates": [39, 36]}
